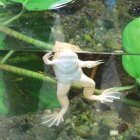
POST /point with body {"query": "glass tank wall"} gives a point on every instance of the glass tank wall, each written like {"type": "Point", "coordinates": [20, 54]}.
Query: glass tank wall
{"type": "Point", "coordinates": [93, 25]}
{"type": "Point", "coordinates": [105, 30]}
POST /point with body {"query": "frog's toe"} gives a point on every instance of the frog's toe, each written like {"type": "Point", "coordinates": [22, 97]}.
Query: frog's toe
{"type": "Point", "coordinates": [51, 120]}
{"type": "Point", "coordinates": [109, 95]}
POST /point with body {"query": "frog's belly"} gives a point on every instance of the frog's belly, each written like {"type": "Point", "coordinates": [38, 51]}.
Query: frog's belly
{"type": "Point", "coordinates": [67, 71]}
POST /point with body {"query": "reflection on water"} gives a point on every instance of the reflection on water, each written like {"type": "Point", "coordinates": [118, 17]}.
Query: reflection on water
{"type": "Point", "coordinates": [94, 25]}
{"type": "Point", "coordinates": [27, 100]}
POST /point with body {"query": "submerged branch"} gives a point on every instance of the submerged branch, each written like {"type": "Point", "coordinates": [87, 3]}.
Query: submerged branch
{"type": "Point", "coordinates": [24, 37]}
{"type": "Point", "coordinates": [39, 76]}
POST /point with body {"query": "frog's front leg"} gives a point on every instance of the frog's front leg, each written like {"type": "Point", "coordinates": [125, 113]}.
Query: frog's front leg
{"type": "Point", "coordinates": [89, 64]}
{"type": "Point", "coordinates": [46, 59]}
{"type": "Point", "coordinates": [55, 119]}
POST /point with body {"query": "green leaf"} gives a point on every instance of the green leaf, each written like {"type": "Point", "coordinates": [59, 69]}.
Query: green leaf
{"type": "Point", "coordinates": [37, 5]}
{"type": "Point", "coordinates": [33, 25]}
{"type": "Point", "coordinates": [26, 94]}
{"type": "Point", "coordinates": [3, 107]}
{"type": "Point", "coordinates": [131, 44]}
{"type": "Point", "coordinates": [5, 15]}
{"type": "Point", "coordinates": [9, 13]}
{"type": "Point", "coordinates": [2, 37]}
{"type": "Point", "coordinates": [131, 64]}
{"type": "Point", "coordinates": [5, 2]}
{"type": "Point", "coordinates": [131, 37]}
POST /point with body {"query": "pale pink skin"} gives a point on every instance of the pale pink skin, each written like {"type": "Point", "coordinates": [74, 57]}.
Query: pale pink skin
{"type": "Point", "coordinates": [63, 88]}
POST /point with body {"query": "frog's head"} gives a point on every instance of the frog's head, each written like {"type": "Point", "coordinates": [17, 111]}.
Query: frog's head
{"type": "Point", "coordinates": [68, 53]}
{"type": "Point", "coordinates": [62, 46]}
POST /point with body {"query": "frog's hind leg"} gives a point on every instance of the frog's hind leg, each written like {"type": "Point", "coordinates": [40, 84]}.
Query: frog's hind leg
{"type": "Point", "coordinates": [107, 95]}
{"type": "Point", "coordinates": [57, 118]}
{"type": "Point", "coordinates": [88, 84]}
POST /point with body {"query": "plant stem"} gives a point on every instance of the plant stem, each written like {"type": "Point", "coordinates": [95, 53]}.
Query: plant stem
{"type": "Point", "coordinates": [12, 19]}
{"type": "Point", "coordinates": [5, 58]}
{"type": "Point", "coordinates": [130, 102]}
{"type": "Point", "coordinates": [32, 74]}
{"type": "Point", "coordinates": [25, 38]}
{"type": "Point", "coordinates": [39, 76]}
{"type": "Point", "coordinates": [25, 72]}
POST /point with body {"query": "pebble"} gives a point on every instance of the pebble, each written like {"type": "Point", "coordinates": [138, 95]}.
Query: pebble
{"type": "Point", "coordinates": [108, 122]}
{"type": "Point", "coordinates": [104, 107]}
{"type": "Point", "coordinates": [83, 131]}
{"type": "Point", "coordinates": [114, 132]}
{"type": "Point", "coordinates": [122, 127]}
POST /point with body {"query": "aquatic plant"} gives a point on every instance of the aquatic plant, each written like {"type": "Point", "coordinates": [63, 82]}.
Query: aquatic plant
{"type": "Point", "coordinates": [3, 109]}
{"type": "Point", "coordinates": [131, 44]}
{"type": "Point", "coordinates": [24, 37]}
{"type": "Point", "coordinates": [131, 64]}
{"type": "Point", "coordinates": [131, 33]}
{"type": "Point", "coordinates": [35, 5]}
{"type": "Point", "coordinates": [29, 24]}
{"type": "Point", "coordinates": [38, 76]}
{"type": "Point", "coordinates": [88, 19]}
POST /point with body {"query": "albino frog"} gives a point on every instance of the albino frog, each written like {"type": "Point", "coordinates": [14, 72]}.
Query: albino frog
{"type": "Point", "coordinates": [68, 71]}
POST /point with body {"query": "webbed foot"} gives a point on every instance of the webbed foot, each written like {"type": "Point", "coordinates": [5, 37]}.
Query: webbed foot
{"type": "Point", "coordinates": [109, 95]}
{"type": "Point", "coordinates": [54, 119]}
